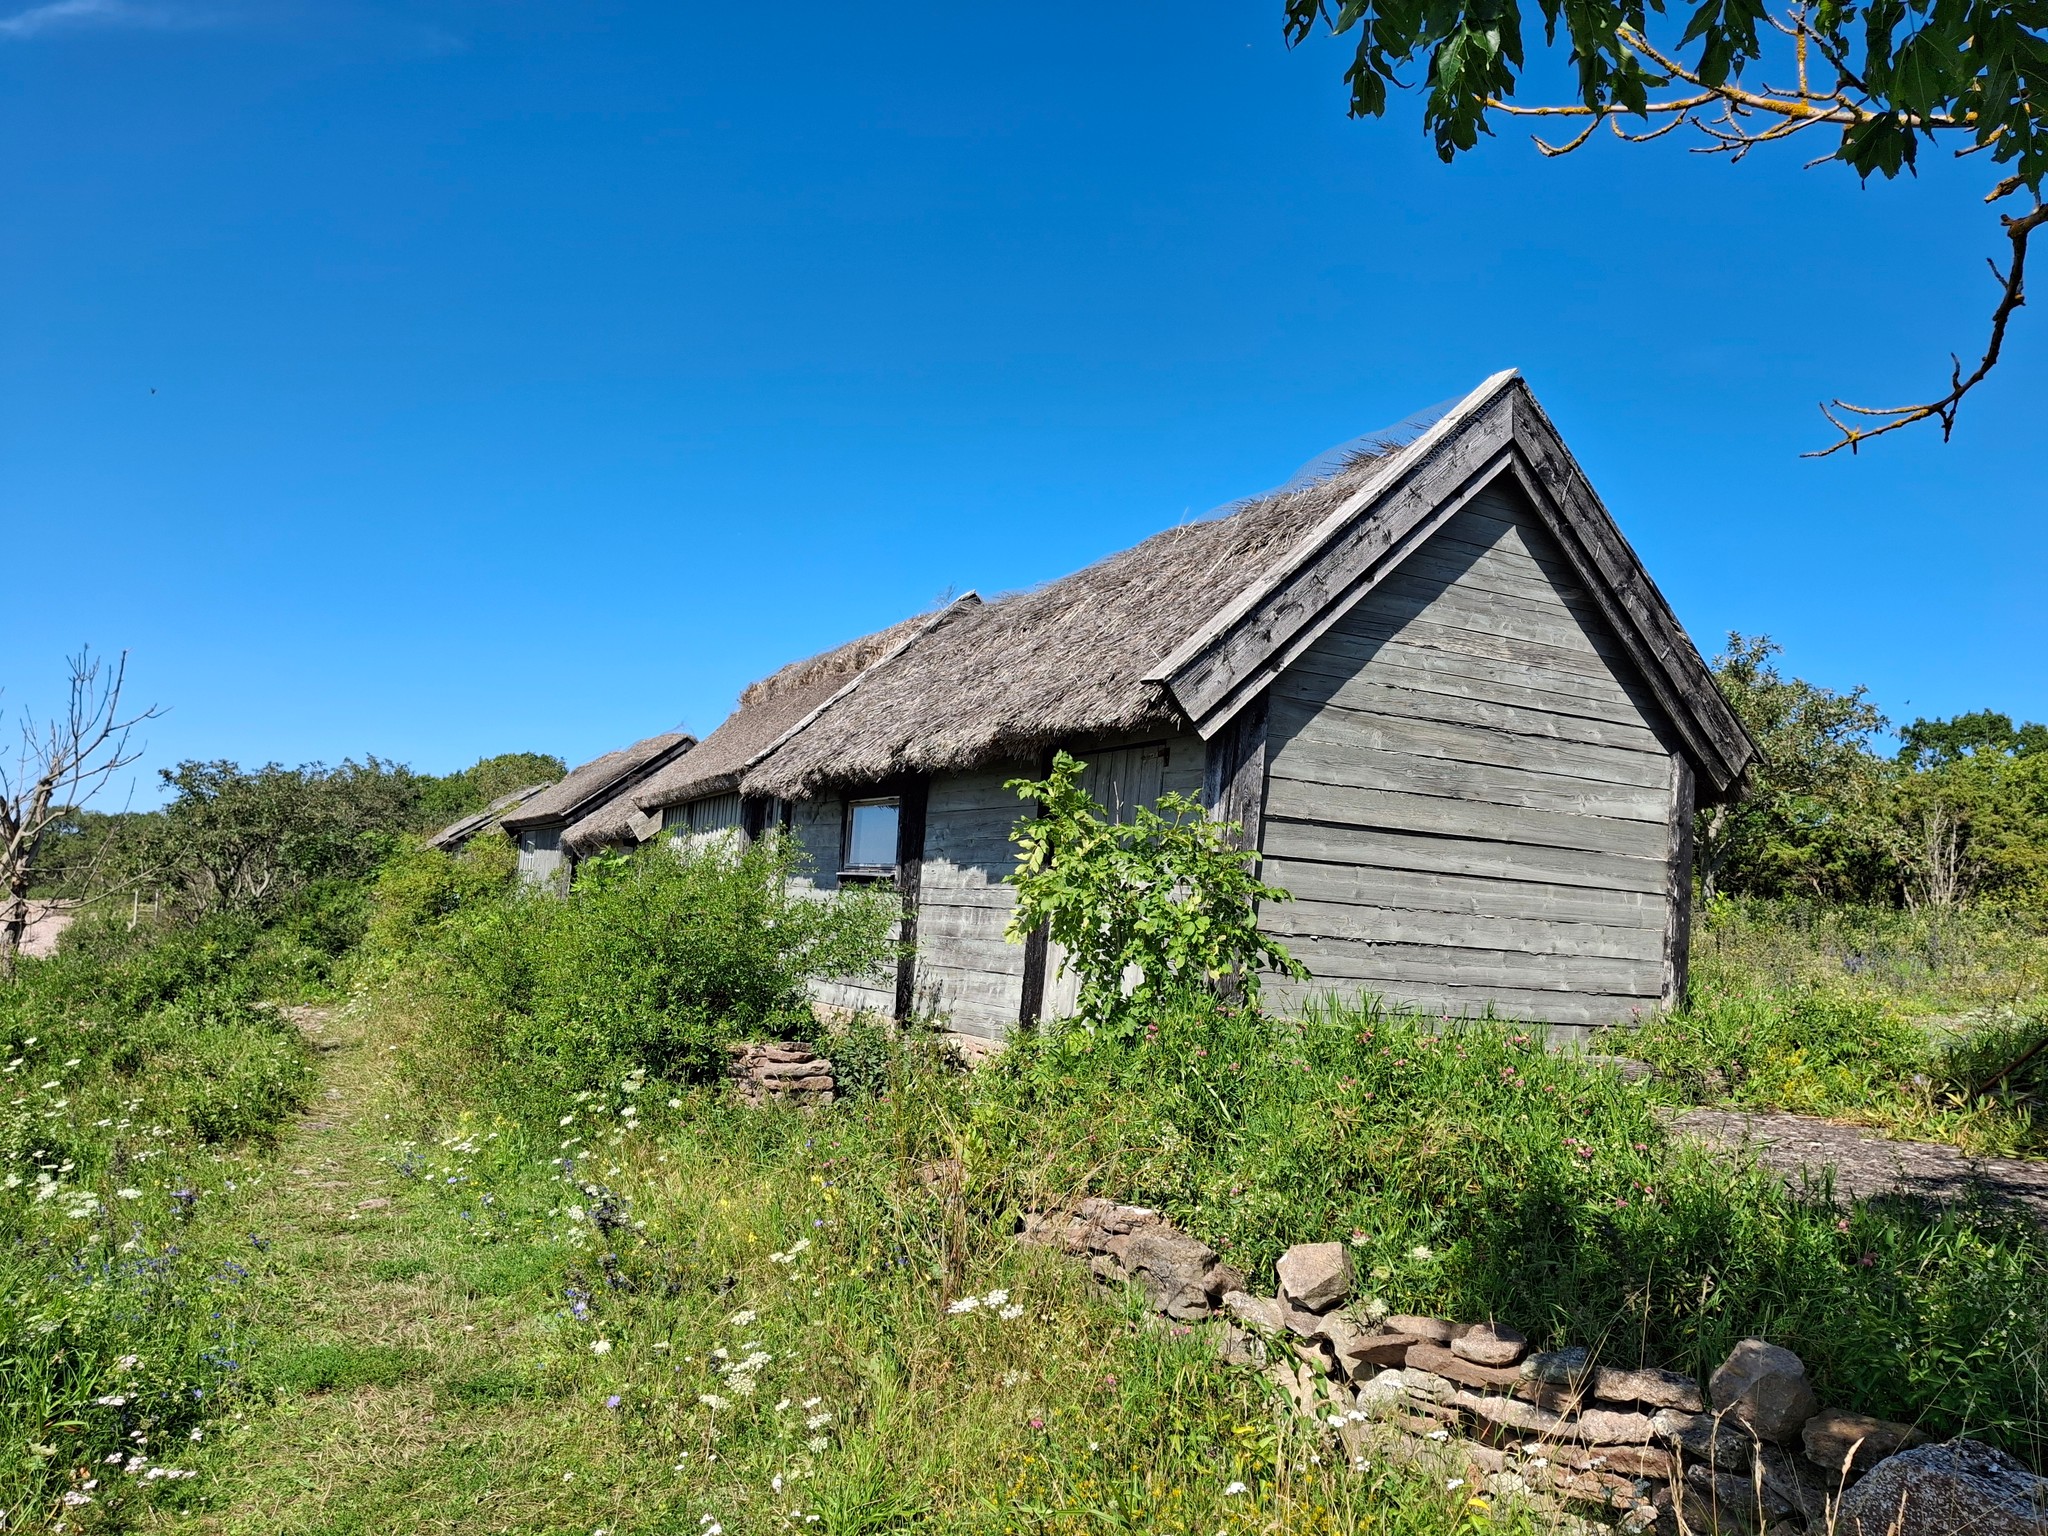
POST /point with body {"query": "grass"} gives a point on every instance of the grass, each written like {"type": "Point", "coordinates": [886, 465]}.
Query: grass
{"type": "Point", "coordinates": [525, 1337]}
{"type": "Point", "coordinates": [1889, 1019]}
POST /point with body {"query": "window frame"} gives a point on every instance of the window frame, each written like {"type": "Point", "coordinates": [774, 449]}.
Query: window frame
{"type": "Point", "coordinates": [850, 870]}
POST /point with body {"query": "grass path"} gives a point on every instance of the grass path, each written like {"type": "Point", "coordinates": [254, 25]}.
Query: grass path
{"type": "Point", "coordinates": [382, 1338]}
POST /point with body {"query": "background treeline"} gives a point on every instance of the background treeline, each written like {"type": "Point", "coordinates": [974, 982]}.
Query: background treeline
{"type": "Point", "coordinates": [1842, 809]}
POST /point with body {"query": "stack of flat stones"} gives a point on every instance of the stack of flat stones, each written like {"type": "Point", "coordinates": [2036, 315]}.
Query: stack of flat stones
{"type": "Point", "coordinates": [781, 1073]}
{"type": "Point", "coordinates": [1752, 1451]}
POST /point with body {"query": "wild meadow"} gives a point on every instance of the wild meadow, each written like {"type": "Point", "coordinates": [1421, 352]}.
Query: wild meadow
{"type": "Point", "coordinates": [404, 1200]}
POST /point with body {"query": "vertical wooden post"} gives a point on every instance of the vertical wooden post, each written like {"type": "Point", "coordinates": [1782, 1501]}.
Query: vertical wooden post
{"type": "Point", "coordinates": [1037, 948]}
{"type": "Point", "coordinates": [910, 815]}
{"type": "Point", "coordinates": [1234, 773]}
{"type": "Point", "coordinates": [1678, 883]}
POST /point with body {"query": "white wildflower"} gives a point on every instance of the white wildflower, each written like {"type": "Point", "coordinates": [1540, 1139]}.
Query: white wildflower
{"type": "Point", "coordinates": [995, 1298]}
{"type": "Point", "coordinates": [782, 1405]}
{"type": "Point", "coordinates": [129, 1194]}
{"type": "Point", "coordinates": [816, 1443]}
{"type": "Point", "coordinates": [712, 1401]}
{"type": "Point", "coordinates": [1011, 1313]}
{"type": "Point", "coordinates": [742, 1318]}
{"type": "Point", "coordinates": [964, 1305]}
{"type": "Point", "coordinates": [1439, 1434]}
{"type": "Point", "coordinates": [600, 1346]}
{"type": "Point", "coordinates": [1451, 1485]}
{"type": "Point", "coordinates": [1421, 1254]}
{"type": "Point", "coordinates": [812, 1402]}
{"type": "Point", "coordinates": [1232, 1490]}
{"type": "Point", "coordinates": [111, 1400]}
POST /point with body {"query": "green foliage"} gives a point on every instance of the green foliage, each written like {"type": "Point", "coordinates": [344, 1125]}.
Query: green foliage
{"type": "Point", "coordinates": [652, 962]}
{"type": "Point", "coordinates": [457, 795]}
{"type": "Point", "coordinates": [1806, 820]}
{"type": "Point", "coordinates": [1481, 1176]}
{"type": "Point", "coordinates": [1168, 894]}
{"type": "Point", "coordinates": [1913, 66]}
{"type": "Point", "coordinates": [420, 889]}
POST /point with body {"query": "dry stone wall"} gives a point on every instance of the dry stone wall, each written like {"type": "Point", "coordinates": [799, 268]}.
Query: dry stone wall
{"type": "Point", "coordinates": [1751, 1450]}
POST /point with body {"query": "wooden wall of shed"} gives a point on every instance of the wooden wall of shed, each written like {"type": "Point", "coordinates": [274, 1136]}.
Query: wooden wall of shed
{"type": "Point", "coordinates": [966, 970]}
{"type": "Point", "coordinates": [542, 859]}
{"type": "Point", "coordinates": [1468, 795]}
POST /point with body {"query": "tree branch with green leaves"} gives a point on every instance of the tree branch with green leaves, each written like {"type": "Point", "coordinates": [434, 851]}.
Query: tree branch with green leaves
{"type": "Point", "coordinates": [1884, 78]}
{"type": "Point", "coordinates": [1167, 896]}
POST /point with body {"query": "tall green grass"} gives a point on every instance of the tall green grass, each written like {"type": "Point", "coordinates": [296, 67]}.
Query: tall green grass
{"type": "Point", "coordinates": [130, 1058]}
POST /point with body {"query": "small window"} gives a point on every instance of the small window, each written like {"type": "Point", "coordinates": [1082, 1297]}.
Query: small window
{"type": "Point", "coordinates": [871, 834]}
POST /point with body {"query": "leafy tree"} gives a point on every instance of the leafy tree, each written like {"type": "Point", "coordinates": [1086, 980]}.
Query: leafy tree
{"type": "Point", "coordinates": [457, 795]}
{"type": "Point", "coordinates": [1982, 733]}
{"type": "Point", "coordinates": [243, 838]}
{"type": "Point", "coordinates": [1806, 820]}
{"type": "Point", "coordinates": [1168, 895]}
{"type": "Point", "coordinates": [1874, 83]}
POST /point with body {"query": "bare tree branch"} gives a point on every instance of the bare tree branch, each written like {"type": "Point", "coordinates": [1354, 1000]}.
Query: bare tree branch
{"type": "Point", "coordinates": [61, 765]}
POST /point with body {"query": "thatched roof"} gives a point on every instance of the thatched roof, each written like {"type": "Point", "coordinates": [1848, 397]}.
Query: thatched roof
{"type": "Point", "coordinates": [599, 780]}
{"type": "Point", "coordinates": [776, 706]}
{"type": "Point", "coordinates": [1008, 679]}
{"type": "Point", "coordinates": [617, 823]}
{"type": "Point", "coordinates": [456, 833]}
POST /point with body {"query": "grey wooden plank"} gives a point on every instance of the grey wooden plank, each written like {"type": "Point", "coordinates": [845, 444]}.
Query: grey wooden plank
{"type": "Point", "coordinates": [1407, 693]}
{"type": "Point", "coordinates": [1678, 886]}
{"type": "Point", "coordinates": [1384, 720]}
{"type": "Point", "coordinates": [1541, 621]}
{"type": "Point", "coordinates": [1314, 922]}
{"type": "Point", "coordinates": [1402, 890]}
{"type": "Point", "coordinates": [1432, 965]}
{"type": "Point", "coordinates": [1597, 692]}
{"type": "Point", "coordinates": [1373, 752]}
{"type": "Point", "coordinates": [1469, 820]}
{"type": "Point", "coordinates": [1385, 848]}
{"type": "Point", "coordinates": [1569, 1010]}
{"type": "Point", "coordinates": [959, 893]}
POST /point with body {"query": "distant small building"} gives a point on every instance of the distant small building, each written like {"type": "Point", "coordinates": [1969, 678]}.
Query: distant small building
{"type": "Point", "coordinates": [458, 833]}
{"type": "Point", "coordinates": [1436, 688]}
{"type": "Point", "coordinates": [537, 825]}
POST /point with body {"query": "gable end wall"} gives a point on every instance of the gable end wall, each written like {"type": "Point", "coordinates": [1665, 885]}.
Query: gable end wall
{"type": "Point", "coordinates": [1469, 793]}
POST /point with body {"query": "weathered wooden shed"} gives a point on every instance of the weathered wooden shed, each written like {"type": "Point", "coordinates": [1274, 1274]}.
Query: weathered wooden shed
{"type": "Point", "coordinates": [1437, 689]}
{"type": "Point", "coordinates": [460, 832]}
{"type": "Point", "coordinates": [538, 823]}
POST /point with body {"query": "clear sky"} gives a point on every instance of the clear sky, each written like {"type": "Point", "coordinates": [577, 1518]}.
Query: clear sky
{"type": "Point", "coordinates": [442, 379]}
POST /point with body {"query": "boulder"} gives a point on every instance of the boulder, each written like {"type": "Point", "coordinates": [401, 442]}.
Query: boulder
{"type": "Point", "coordinates": [1489, 1344]}
{"type": "Point", "coordinates": [1736, 1499]}
{"type": "Point", "coordinates": [1650, 1387]}
{"type": "Point", "coordinates": [1940, 1490]}
{"type": "Point", "coordinates": [1383, 1394]}
{"type": "Point", "coordinates": [1315, 1276]}
{"type": "Point", "coordinates": [1764, 1387]}
{"type": "Point", "coordinates": [1630, 1461]}
{"type": "Point", "coordinates": [1433, 1330]}
{"type": "Point", "coordinates": [1426, 1386]}
{"type": "Point", "coordinates": [1240, 1346]}
{"type": "Point", "coordinates": [1559, 1367]}
{"type": "Point", "coordinates": [1834, 1435]}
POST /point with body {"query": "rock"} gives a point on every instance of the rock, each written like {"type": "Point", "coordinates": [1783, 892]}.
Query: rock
{"type": "Point", "coordinates": [1489, 1344]}
{"type": "Point", "coordinates": [1764, 1386]}
{"type": "Point", "coordinates": [1383, 1394]}
{"type": "Point", "coordinates": [1833, 1435]}
{"type": "Point", "coordinates": [1239, 1346]}
{"type": "Point", "coordinates": [1427, 1386]}
{"type": "Point", "coordinates": [1434, 1358]}
{"type": "Point", "coordinates": [946, 1173]}
{"type": "Point", "coordinates": [1733, 1499]}
{"type": "Point", "coordinates": [1178, 1272]}
{"type": "Point", "coordinates": [1512, 1413]}
{"type": "Point", "coordinates": [1940, 1490]}
{"type": "Point", "coordinates": [1382, 1349]}
{"type": "Point", "coordinates": [1623, 1460]}
{"type": "Point", "coordinates": [1299, 1383]}
{"type": "Point", "coordinates": [1315, 1276]}
{"type": "Point", "coordinates": [1705, 1437]}
{"type": "Point", "coordinates": [1559, 1367]}
{"type": "Point", "coordinates": [1606, 1425]}
{"type": "Point", "coordinates": [1260, 1312]}
{"type": "Point", "coordinates": [1432, 1329]}
{"type": "Point", "coordinates": [1650, 1387]}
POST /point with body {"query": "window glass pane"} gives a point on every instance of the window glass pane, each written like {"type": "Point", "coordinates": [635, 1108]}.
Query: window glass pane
{"type": "Point", "coordinates": [873, 838]}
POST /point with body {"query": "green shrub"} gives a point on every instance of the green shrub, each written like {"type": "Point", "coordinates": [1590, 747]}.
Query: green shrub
{"type": "Point", "coordinates": [653, 963]}
{"type": "Point", "coordinates": [419, 889]}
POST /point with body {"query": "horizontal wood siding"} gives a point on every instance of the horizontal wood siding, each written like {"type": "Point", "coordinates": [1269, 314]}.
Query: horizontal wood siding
{"type": "Point", "coordinates": [1468, 791]}
{"type": "Point", "coordinates": [966, 971]}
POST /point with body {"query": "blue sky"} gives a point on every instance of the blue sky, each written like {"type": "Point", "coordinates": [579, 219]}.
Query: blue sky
{"type": "Point", "coordinates": [454, 378]}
